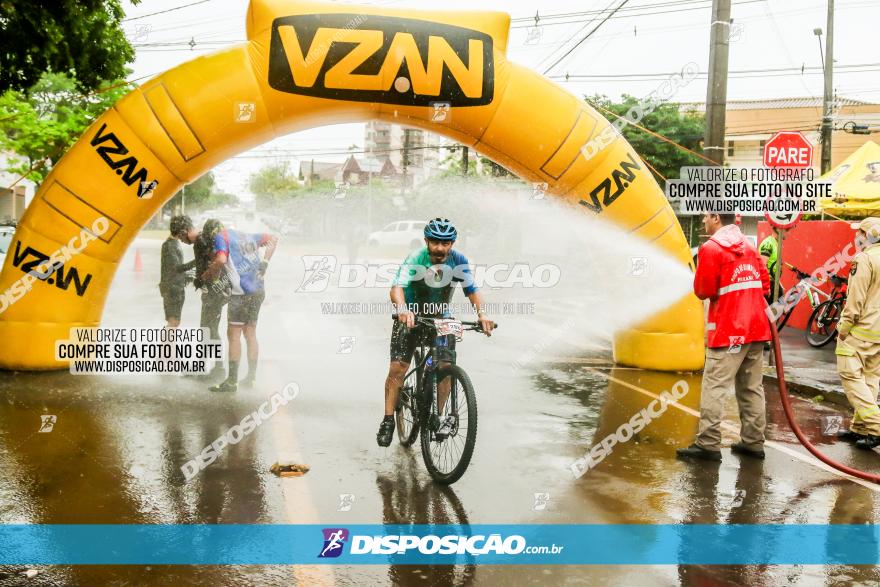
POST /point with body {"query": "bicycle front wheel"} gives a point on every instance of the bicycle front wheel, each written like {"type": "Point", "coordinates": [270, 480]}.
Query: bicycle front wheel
{"type": "Point", "coordinates": [448, 457]}
{"type": "Point", "coordinates": [407, 404]}
{"type": "Point", "coordinates": [822, 326]}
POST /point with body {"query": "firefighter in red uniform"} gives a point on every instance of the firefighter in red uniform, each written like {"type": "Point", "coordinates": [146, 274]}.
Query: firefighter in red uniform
{"type": "Point", "coordinates": [733, 277]}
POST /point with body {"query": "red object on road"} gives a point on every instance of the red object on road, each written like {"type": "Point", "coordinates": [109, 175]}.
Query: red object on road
{"type": "Point", "coordinates": [138, 263]}
{"type": "Point", "coordinates": [788, 149]}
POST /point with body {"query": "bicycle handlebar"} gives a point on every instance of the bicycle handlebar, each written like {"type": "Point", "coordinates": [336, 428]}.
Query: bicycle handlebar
{"type": "Point", "coordinates": [836, 279]}
{"type": "Point", "coordinates": [800, 274]}
{"type": "Point", "coordinates": [430, 322]}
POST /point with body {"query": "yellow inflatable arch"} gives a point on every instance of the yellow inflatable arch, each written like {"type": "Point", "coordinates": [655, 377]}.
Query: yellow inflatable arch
{"type": "Point", "coordinates": [308, 64]}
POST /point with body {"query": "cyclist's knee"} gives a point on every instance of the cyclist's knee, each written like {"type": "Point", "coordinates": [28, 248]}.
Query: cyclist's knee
{"type": "Point", "coordinates": [397, 369]}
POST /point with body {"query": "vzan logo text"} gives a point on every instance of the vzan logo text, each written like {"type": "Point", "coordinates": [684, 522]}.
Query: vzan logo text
{"type": "Point", "coordinates": [127, 166]}
{"type": "Point", "coordinates": [61, 279]}
{"type": "Point", "coordinates": [611, 188]}
{"type": "Point", "coordinates": [368, 58]}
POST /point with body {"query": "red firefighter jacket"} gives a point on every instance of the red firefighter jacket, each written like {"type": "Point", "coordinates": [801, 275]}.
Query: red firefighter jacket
{"type": "Point", "coordinates": [732, 276]}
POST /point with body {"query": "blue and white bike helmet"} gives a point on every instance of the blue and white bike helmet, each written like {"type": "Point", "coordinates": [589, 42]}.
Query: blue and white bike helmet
{"type": "Point", "coordinates": [440, 229]}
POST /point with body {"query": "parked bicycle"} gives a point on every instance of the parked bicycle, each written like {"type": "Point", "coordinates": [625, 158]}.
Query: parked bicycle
{"type": "Point", "coordinates": [826, 307]}
{"type": "Point", "coordinates": [438, 399]}
{"type": "Point", "coordinates": [822, 325]}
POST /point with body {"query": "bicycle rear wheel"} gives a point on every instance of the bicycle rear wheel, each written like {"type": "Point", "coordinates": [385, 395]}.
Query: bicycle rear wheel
{"type": "Point", "coordinates": [407, 412]}
{"type": "Point", "coordinates": [447, 459]}
{"type": "Point", "coordinates": [822, 325]}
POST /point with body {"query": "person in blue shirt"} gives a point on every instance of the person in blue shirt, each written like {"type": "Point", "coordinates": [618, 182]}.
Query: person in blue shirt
{"type": "Point", "coordinates": [423, 287]}
{"type": "Point", "coordinates": [238, 255]}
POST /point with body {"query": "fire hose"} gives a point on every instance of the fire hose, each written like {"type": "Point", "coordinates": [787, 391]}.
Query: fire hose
{"type": "Point", "coordinates": [789, 415]}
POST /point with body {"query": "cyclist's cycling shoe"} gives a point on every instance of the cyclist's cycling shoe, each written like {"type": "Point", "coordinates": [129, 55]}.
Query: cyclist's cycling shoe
{"type": "Point", "coordinates": [446, 428]}
{"type": "Point", "coordinates": [225, 386]}
{"type": "Point", "coordinates": [386, 432]}
{"type": "Point", "coordinates": [248, 382]}
{"type": "Point", "coordinates": [868, 442]}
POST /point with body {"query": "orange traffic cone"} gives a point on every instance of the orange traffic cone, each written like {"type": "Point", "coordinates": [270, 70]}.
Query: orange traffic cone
{"type": "Point", "coordinates": [138, 262]}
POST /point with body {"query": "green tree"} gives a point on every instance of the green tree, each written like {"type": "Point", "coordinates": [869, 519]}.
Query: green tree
{"type": "Point", "coordinates": [40, 125]}
{"type": "Point", "coordinates": [80, 38]}
{"type": "Point", "coordinates": [273, 183]}
{"type": "Point", "coordinates": [202, 194]}
{"type": "Point", "coordinates": [668, 121]}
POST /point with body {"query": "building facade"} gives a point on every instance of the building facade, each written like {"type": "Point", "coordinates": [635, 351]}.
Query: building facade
{"type": "Point", "coordinates": [751, 123]}
{"type": "Point", "coordinates": [416, 152]}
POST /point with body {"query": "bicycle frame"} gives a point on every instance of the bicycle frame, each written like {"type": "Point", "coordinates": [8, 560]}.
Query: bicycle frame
{"type": "Point", "coordinates": [813, 293]}
{"type": "Point", "coordinates": [429, 363]}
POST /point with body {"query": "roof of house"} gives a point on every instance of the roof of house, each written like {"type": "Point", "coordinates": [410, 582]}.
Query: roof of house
{"type": "Point", "coordinates": [775, 103]}
{"type": "Point", "coordinates": [368, 165]}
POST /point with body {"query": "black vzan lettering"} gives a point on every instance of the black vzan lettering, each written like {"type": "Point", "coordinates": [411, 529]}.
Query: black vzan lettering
{"type": "Point", "coordinates": [602, 195]}
{"type": "Point", "coordinates": [126, 167]}
{"type": "Point", "coordinates": [61, 279]}
{"type": "Point", "coordinates": [382, 59]}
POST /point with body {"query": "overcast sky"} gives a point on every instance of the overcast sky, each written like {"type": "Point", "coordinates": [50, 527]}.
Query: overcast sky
{"type": "Point", "coordinates": [645, 38]}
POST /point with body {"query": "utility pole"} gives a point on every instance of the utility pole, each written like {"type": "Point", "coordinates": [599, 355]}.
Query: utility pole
{"type": "Point", "coordinates": [716, 94]}
{"type": "Point", "coordinates": [828, 97]}
{"type": "Point", "coordinates": [465, 153]}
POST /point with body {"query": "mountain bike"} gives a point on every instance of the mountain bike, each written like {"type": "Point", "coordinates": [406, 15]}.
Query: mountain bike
{"type": "Point", "coordinates": [806, 288]}
{"type": "Point", "coordinates": [822, 325]}
{"type": "Point", "coordinates": [438, 399]}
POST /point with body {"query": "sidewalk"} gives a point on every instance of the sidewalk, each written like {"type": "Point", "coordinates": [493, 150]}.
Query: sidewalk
{"type": "Point", "coordinates": [808, 371]}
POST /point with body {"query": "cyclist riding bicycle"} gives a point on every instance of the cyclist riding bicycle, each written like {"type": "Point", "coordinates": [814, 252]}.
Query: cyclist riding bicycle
{"type": "Point", "coordinates": [423, 287]}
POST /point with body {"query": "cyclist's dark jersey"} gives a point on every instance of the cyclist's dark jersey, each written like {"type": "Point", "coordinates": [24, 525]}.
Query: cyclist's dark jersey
{"type": "Point", "coordinates": [419, 292]}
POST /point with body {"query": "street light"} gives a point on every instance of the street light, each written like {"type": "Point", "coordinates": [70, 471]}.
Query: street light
{"type": "Point", "coordinates": [818, 33]}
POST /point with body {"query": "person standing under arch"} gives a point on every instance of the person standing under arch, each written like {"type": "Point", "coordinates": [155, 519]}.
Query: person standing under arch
{"type": "Point", "coordinates": [238, 254]}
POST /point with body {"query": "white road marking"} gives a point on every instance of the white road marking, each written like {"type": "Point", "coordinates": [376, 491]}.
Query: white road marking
{"type": "Point", "coordinates": [809, 460]}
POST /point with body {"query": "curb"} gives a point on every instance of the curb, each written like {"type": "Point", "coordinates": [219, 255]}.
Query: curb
{"type": "Point", "coordinates": [811, 391]}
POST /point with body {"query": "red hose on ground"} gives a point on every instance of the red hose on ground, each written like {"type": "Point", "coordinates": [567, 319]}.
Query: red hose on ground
{"type": "Point", "coordinates": [789, 414]}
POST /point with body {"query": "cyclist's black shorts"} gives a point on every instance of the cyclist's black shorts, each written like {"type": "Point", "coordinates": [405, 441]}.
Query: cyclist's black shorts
{"type": "Point", "coordinates": [244, 309]}
{"type": "Point", "coordinates": [404, 342]}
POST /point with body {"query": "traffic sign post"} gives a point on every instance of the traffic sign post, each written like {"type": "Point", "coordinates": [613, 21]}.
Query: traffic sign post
{"type": "Point", "coordinates": [783, 220]}
{"type": "Point", "coordinates": [789, 149]}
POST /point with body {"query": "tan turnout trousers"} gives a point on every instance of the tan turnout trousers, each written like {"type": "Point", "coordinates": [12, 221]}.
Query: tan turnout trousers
{"type": "Point", "coordinates": [739, 372]}
{"type": "Point", "coordinates": [858, 364]}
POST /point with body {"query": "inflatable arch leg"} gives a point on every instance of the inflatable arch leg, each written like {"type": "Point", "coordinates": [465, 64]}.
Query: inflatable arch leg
{"type": "Point", "coordinates": [308, 64]}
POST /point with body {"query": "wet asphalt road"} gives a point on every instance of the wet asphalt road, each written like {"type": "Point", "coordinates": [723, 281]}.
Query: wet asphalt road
{"type": "Point", "coordinates": [115, 453]}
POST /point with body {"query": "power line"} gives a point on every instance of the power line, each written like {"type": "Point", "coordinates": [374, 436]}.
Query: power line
{"type": "Point", "coordinates": [164, 11]}
{"type": "Point", "coordinates": [771, 71]}
{"type": "Point", "coordinates": [591, 12]}
{"type": "Point", "coordinates": [569, 15]}
{"type": "Point", "coordinates": [587, 36]}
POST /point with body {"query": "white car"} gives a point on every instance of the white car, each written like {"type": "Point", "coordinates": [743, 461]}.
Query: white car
{"type": "Point", "coordinates": [405, 233]}
{"type": "Point", "coordinates": [6, 233]}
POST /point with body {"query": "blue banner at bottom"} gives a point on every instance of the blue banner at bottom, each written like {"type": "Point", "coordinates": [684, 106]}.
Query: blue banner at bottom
{"type": "Point", "coordinates": [494, 544]}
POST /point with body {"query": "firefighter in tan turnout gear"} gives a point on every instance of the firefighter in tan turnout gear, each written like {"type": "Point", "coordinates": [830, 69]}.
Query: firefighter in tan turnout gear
{"type": "Point", "coordinates": [858, 342]}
